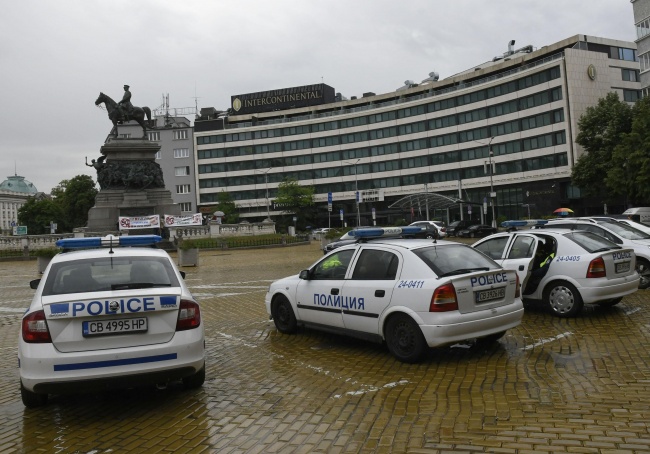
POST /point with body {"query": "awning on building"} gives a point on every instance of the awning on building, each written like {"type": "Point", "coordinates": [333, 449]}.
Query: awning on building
{"type": "Point", "coordinates": [430, 199]}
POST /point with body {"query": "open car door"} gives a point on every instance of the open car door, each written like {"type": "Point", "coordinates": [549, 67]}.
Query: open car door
{"type": "Point", "coordinates": [520, 257]}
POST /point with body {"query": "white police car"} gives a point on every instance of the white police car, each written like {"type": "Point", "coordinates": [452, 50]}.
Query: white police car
{"type": "Point", "coordinates": [584, 268]}
{"type": "Point", "coordinates": [412, 294]}
{"type": "Point", "coordinates": [109, 317]}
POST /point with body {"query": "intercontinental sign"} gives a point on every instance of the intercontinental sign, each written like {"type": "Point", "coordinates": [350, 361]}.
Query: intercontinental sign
{"type": "Point", "coordinates": [285, 98]}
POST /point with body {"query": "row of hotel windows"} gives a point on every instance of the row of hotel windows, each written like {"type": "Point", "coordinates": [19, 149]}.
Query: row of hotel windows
{"type": "Point", "coordinates": [476, 96]}
{"type": "Point", "coordinates": [513, 146]}
{"type": "Point", "coordinates": [516, 166]}
{"type": "Point", "coordinates": [520, 124]}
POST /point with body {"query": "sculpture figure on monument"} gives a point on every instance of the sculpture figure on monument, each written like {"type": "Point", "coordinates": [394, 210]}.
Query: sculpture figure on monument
{"type": "Point", "coordinates": [124, 111]}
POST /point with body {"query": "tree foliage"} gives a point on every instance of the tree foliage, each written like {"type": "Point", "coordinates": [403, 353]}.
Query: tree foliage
{"type": "Point", "coordinates": [297, 200]}
{"type": "Point", "coordinates": [226, 204]}
{"type": "Point", "coordinates": [37, 213]}
{"type": "Point", "coordinates": [601, 130]}
{"type": "Point", "coordinates": [68, 207]}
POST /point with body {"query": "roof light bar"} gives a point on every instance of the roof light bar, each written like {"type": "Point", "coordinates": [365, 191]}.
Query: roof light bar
{"type": "Point", "coordinates": [524, 223]}
{"type": "Point", "coordinates": [108, 241]}
{"type": "Point", "coordinates": [378, 232]}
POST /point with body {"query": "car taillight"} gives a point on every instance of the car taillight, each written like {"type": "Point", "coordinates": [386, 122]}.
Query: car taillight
{"type": "Point", "coordinates": [444, 299]}
{"type": "Point", "coordinates": [189, 316]}
{"type": "Point", "coordinates": [596, 268]}
{"type": "Point", "coordinates": [518, 291]}
{"type": "Point", "coordinates": [443, 229]}
{"type": "Point", "coordinates": [35, 328]}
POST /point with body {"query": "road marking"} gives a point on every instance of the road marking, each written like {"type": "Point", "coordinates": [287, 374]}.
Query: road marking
{"type": "Point", "coordinates": [546, 341]}
{"type": "Point", "coordinates": [371, 389]}
{"type": "Point", "coordinates": [630, 312]}
{"type": "Point", "coordinates": [17, 310]}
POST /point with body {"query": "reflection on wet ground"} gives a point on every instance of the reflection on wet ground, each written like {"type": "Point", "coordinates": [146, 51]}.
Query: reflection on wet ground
{"type": "Point", "coordinates": [550, 385]}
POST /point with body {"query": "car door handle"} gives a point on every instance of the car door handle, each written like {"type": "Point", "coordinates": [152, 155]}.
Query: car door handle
{"type": "Point", "coordinates": [521, 267]}
{"type": "Point", "coordinates": [334, 291]}
{"type": "Point", "coordinates": [380, 293]}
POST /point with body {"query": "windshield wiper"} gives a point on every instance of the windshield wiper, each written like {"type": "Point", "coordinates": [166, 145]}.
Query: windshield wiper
{"type": "Point", "coordinates": [463, 271]}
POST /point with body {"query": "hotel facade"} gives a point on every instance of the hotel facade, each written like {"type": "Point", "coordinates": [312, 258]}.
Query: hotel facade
{"type": "Point", "coordinates": [502, 133]}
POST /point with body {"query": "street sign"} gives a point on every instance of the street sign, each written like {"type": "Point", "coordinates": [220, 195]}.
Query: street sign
{"type": "Point", "coordinates": [329, 207]}
{"type": "Point", "coordinates": [329, 198]}
{"type": "Point", "coordinates": [20, 230]}
{"type": "Point", "coordinates": [341, 213]}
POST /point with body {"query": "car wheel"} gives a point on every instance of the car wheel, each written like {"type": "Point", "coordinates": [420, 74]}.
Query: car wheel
{"type": "Point", "coordinates": [404, 338]}
{"type": "Point", "coordinates": [430, 237]}
{"type": "Point", "coordinates": [610, 303]}
{"type": "Point", "coordinates": [492, 338]}
{"type": "Point", "coordinates": [563, 299]}
{"type": "Point", "coordinates": [643, 268]}
{"type": "Point", "coordinates": [196, 380]}
{"type": "Point", "coordinates": [32, 399]}
{"type": "Point", "coordinates": [283, 316]}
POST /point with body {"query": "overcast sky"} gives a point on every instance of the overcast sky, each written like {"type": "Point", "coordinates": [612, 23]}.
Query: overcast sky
{"type": "Point", "coordinates": [56, 56]}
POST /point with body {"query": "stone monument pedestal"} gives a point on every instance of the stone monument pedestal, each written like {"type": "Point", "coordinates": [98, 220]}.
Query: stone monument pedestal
{"type": "Point", "coordinates": [131, 184]}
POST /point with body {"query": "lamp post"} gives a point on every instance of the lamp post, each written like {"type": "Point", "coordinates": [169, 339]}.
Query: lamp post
{"type": "Point", "coordinates": [492, 193]}
{"type": "Point", "coordinates": [356, 189]}
{"type": "Point", "coordinates": [266, 184]}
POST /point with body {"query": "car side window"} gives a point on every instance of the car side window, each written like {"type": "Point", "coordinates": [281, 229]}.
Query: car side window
{"type": "Point", "coordinates": [333, 266]}
{"type": "Point", "coordinates": [602, 232]}
{"type": "Point", "coordinates": [493, 248]}
{"type": "Point", "coordinates": [376, 265]}
{"type": "Point", "coordinates": [522, 248]}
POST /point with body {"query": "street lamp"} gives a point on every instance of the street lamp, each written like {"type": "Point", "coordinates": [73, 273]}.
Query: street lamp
{"type": "Point", "coordinates": [356, 189]}
{"type": "Point", "coordinates": [266, 184]}
{"type": "Point", "coordinates": [492, 193]}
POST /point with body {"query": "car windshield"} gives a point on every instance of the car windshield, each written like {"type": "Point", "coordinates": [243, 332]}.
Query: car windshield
{"type": "Point", "coordinates": [625, 231]}
{"type": "Point", "coordinates": [591, 242]}
{"type": "Point", "coordinates": [106, 273]}
{"type": "Point", "coordinates": [450, 260]}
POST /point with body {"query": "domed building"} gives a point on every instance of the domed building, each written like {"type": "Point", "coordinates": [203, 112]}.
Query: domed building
{"type": "Point", "coordinates": [14, 192]}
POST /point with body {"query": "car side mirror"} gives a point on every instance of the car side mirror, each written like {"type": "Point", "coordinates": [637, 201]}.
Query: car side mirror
{"type": "Point", "coordinates": [304, 275]}
{"type": "Point", "coordinates": [34, 284]}
{"type": "Point", "coordinates": [182, 274]}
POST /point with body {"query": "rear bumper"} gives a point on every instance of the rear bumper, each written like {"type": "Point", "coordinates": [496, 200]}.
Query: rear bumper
{"type": "Point", "coordinates": [478, 325]}
{"type": "Point", "coordinates": [44, 369]}
{"type": "Point", "coordinates": [595, 294]}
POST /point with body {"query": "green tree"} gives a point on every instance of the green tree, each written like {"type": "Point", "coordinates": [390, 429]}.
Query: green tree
{"type": "Point", "coordinates": [76, 197]}
{"type": "Point", "coordinates": [37, 213]}
{"type": "Point", "coordinates": [629, 173]}
{"type": "Point", "coordinates": [601, 129]}
{"type": "Point", "coordinates": [226, 204]}
{"type": "Point", "coordinates": [297, 200]}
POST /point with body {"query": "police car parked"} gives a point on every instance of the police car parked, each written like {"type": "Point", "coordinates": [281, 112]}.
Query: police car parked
{"type": "Point", "coordinates": [583, 268]}
{"type": "Point", "coordinates": [412, 294]}
{"type": "Point", "coordinates": [109, 317]}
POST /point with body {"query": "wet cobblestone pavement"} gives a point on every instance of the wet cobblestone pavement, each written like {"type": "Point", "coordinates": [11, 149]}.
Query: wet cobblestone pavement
{"type": "Point", "coordinates": [578, 385]}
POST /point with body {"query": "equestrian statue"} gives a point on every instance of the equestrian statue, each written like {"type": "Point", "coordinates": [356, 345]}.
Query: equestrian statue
{"type": "Point", "coordinates": [123, 111]}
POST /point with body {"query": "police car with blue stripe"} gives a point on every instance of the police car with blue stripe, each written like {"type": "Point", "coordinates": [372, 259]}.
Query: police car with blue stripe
{"type": "Point", "coordinates": [114, 314]}
{"type": "Point", "coordinates": [409, 293]}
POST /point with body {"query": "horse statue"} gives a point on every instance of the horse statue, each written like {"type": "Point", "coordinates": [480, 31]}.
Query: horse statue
{"type": "Point", "coordinates": [116, 116]}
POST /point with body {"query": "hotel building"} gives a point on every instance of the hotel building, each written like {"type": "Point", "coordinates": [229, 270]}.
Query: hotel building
{"type": "Point", "coordinates": [502, 132]}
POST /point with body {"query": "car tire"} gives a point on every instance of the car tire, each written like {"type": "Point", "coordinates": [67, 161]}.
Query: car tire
{"type": "Point", "coordinates": [32, 399]}
{"type": "Point", "coordinates": [610, 303]}
{"type": "Point", "coordinates": [283, 316]}
{"type": "Point", "coordinates": [196, 380]}
{"type": "Point", "coordinates": [404, 338]}
{"type": "Point", "coordinates": [643, 268]}
{"type": "Point", "coordinates": [430, 237]}
{"type": "Point", "coordinates": [491, 339]}
{"type": "Point", "coordinates": [563, 299]}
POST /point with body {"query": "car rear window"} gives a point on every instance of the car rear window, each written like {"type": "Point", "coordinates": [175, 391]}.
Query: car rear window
{"type": "Point", "coordinates": [591, 242]}
{"type": "Point", "coordinates": [448, 259]}
{"type": "Point", "coordinates": [100, 274]}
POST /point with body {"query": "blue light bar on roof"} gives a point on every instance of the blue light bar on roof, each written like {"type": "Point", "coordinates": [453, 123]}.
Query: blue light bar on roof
{"type": "Point", "coordinates": [524, 223]}
{"type": "Point", "coordinates": [378, 232]}
{"type": "Point", "coordinates": [108, 241]}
